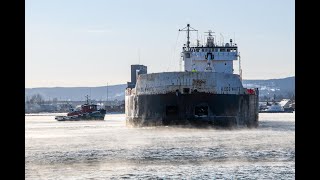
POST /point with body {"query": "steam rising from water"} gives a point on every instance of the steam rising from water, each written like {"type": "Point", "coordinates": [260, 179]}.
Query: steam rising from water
{"type": "Point", "coordinates": [110, 150]}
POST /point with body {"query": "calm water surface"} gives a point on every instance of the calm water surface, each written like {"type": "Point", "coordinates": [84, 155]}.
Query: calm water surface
{"type": "Point", "coordinates": [110, 150]}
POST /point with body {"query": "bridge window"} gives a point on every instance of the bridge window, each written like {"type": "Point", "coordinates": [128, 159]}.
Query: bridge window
{"type": "Point", "coordinates": [187, 55]}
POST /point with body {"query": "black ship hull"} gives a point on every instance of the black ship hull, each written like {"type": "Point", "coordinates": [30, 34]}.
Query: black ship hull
{"type": "Point", "coordinates": [199, 109]}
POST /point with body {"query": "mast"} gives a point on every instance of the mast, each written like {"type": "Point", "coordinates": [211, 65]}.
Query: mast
{"type": "Point", "coordinates": [87, 99]}
{"type": "Point", "coordinates": [107, 93]}
{"type": "Point", "coordinates": [188, 33]}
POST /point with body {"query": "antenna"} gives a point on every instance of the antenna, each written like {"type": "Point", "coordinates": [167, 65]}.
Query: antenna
{"type": "Point", "coordinates": [222, 41]}
{"type": "Point", "coordinates": [240, 71]}
{"type": "Point", "coordinates": [198, 41]}
{"type": "Point", "coordinates": [139, 55]}
{"type": "Point", "coordinates": [180, 62]}
{"type": "Point", "coordinates": [203, 40]}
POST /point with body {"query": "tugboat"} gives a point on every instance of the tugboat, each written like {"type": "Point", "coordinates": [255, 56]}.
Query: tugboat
{"type": "Point", "coordinates": [86, 111]}
{"type": "Point", "coordinates": [206, 92]}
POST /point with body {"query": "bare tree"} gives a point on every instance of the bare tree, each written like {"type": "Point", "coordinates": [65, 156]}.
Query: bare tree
{"type": "Point", "coordinates": [36, 99]}
{"type": "Point", "coordinates": [55, 100]}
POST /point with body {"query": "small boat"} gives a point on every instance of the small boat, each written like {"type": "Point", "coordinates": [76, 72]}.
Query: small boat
{"type": "Point", "coordinates": [84, 112]}
{"type": "Point", "coordinates": [276, 108]}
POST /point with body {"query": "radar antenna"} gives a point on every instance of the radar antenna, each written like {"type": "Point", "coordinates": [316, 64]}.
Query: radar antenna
{"type": "Point", "coordinates": [210, 39]}
{"type": "Point", "coordinates": [209, 33]}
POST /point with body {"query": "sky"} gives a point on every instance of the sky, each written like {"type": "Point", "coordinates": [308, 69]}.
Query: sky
{"type": "Point", "coordinates": [88, 43]}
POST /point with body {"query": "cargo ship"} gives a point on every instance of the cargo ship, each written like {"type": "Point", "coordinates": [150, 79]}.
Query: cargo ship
{"type": "Point", "coordinates": [205, 92]}
{"type": "Point", "coordinates": [87, 111]}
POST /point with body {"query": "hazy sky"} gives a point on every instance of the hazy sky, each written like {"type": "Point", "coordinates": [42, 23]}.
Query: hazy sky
{"type": "Point", "coordinates": [94, 42]}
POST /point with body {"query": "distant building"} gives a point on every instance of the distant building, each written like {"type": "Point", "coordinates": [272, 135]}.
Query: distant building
{"type": "Point", "coordinates": [136, 69]}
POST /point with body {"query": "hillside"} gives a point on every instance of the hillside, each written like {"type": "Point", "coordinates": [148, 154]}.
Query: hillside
{"type": "Point", "coordinates": [79, 93]}
{"type": "Point", "coordinates": [284, 86]}
{"type": "Point", "coordinates": [268, 87]}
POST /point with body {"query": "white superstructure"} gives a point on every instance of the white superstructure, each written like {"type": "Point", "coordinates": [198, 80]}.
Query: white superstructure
{"type": "Point", "coordinates": [209, 57]}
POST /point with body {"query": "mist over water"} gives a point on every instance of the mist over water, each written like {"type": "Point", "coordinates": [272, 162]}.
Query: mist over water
{"type": "Point", "coordinates": [110, 150]}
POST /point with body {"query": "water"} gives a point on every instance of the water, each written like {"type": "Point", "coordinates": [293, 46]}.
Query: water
{"type": "Point", "coordinates": [110, 150]}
